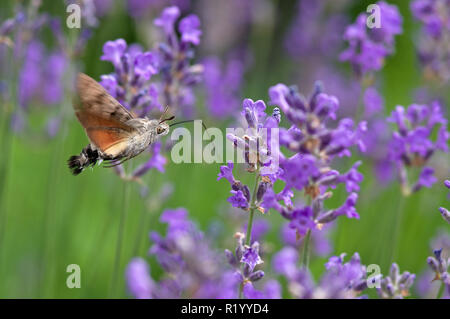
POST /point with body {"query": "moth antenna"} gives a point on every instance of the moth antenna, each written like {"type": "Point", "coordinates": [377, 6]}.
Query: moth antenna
{"type": "Point", "coordinates": [167, 119]}
{"type": "Point", "coordinates": [163, 113]}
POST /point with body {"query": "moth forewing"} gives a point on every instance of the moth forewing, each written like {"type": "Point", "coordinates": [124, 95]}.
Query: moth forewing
{"type": "Point", "coordinates": [96, 100]}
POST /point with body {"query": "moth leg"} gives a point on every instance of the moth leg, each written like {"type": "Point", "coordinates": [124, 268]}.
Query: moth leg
{"type": "Point", "coordinates": [114, 163]}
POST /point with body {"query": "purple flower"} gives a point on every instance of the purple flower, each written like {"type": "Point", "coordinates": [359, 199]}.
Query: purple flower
{"type": "Point", "coordinates": [193, 269]}
{"type": "Point", "coordinates": [113, 52]}
{"type": "Point", "coordinates": [190, 29]}
{"type": "Point", "coordinates": [247, 256]}
{"type": "Point", "coordinates": [238, 199]}
{"type": "Point", "coordinates": [432, 42]}
{"type": "Point", "coordinates": [373, 102]}
{"type": "Point", "coordinates": [340, 280]}
{"type": "Point", "coordinates": [130, 85]}
{"type": "Point", "coordinates": [302, 220]}
{"type": "Point", "coordinates": [391, 24]}
{"type": "Point", "coordinates": [130, 81]}
{"type": "Point", "coordinates": [314, 144]}
{"type": "Point", "coordinates": [272, 290]}
{"type": "Point", "coordinates": [396, 285]}
{"type": "Point", "coordinates": [227, 173]}
{"type": "Point", "coordinates": [260, 151]}
{"type": "Point", "coordinates": [347, 209]}
{"type": "Point", "coordinates": [53, 86]}
{"type": "Point", "coordinates": [250, 256]}
{"type": "Point", "coordinates": [174, 61]}
{"type": "Point", "coordinates": [167, 19]}
{"type": "Point", "coordinates": [177, 220]}
{"type": "Point", "coordinates": [92, 10]}
{"type": "Point", "coordinates": [145, 65]}
{"type": "Point", "coordinates": [352, 178]}
{"type": "Point", "coordinates": [241, 193]}
{"type": "Point", "coordinates": [298, 170]}
{"type": "Point", "coordinates": [316, 30]}
{"type": "Point", "coordinates": [442, 137]}
{"type": "Point", "coordinates": [109, 82]}
{"type": "Point", "coordinates": [285, 262]}
{"type": "Point", "coordinates": [35, 63]}
{"type": "Point", "coordinates": [412, 145]}
{"type": "Point", "coordinates": [445, 214]}
{"type": "Point", "coordinates": [311, 117]}
{"type": "Point", "coordinates": [254, 112]}
{"type": "Point", "coordinates": [343, 280]}
{"type": "Point", "coordinates": [29, 78]}
{"type": "Point", "coordinates": [426, 178]}
{"type": "Point", "coordinates": [271, 200]}
{"type": "Point", "coordinates": [155, 161]}
{"type": "Point", "coordinates": [141, 9]}
{"type": "Point", "coordinates": [140, 284]}
{"type": "Point", "coordinates": [223, 84]}
{"type": "Point", "coordinates": [102, 6]}
{"type": "Point", "coordinates": [369, 47]}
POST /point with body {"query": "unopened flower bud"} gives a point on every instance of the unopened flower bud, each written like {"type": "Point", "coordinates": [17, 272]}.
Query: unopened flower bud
{"type": "Point", "coordinates": [433, 263]}
{"type": "Point", "coordinates": [257, 275]}
{"type": "Point", "coordinates": [445, 214]}
{"type": "Point", "coordinates": [262, 187]}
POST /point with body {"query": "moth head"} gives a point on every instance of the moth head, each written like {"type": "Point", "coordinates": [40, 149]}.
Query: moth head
{"type": "Point", "coordinates": [162, 128]}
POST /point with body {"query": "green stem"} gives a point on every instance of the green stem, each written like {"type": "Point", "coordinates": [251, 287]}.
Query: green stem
{"type": "Point", "coordinates": [441, 290]}
{"type": "Point", "coordinates": [141, 230]}
{"type": "Point", "coordinates": [306, 251]}
{"type": "Point", "coordinates": [305, 247]}
{"type": "Point", "coordinates": [6, 144]}
{"type": "Point", "coordinates": [397, 223]}
{"type": "Point", "coordinates": [123, 217]}
{"type": "Point", "coordinates": [250, 222]}
{"type": "Point", "coordinates": [253, 207]}
{"type": "Point", "coordinates": [6, 139]}
{"type": "Point", "coordinates": [249, 227]}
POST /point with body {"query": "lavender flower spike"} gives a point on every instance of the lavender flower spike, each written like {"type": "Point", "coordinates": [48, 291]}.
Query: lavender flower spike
{"type": "Point", "coordinates": [140, 284]}
{"type": "Point", "coordinates": [368, 48]}
{"type": "Point", "coordinates": [412, 144]}
{"type": "Point", "coordinates": [396, 285]}
{"type": "Point", "coordinates": [433, 49]}
{"type": "Point", "coordinates": [444, 211]}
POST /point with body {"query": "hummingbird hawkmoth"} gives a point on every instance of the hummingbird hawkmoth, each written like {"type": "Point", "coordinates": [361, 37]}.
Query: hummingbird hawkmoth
{"type": "Point", "coordinates": [115, 134]}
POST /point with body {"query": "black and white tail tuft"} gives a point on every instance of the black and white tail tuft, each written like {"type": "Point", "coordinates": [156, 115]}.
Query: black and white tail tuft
{"type": "Point", "coordinates": [87, 157]}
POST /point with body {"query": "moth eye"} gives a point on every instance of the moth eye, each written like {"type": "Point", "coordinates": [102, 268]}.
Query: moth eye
{"type": "Point", "coordinates": [159, 130]}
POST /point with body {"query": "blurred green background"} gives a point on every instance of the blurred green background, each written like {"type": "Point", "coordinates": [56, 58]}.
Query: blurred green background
{"type": "Point", "coordinates": [51, 219]}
